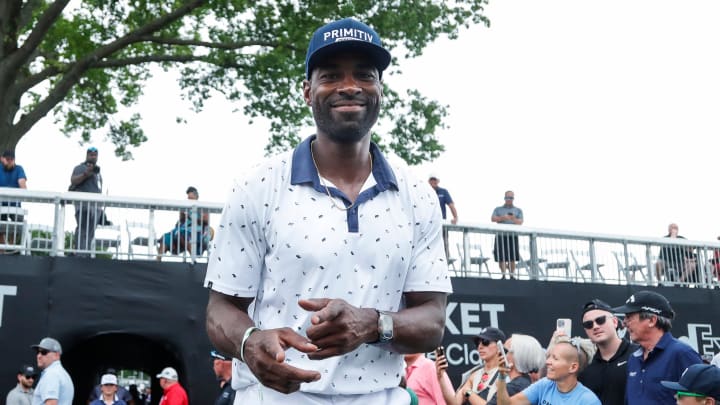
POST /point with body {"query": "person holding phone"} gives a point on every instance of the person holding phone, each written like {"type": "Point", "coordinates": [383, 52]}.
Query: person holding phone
{"type": "Point", "coordinates": [507, 249]}
{"type": "Point", "coordinates": [420, 375]}
{"type": "Point", "coordinates": [524, 355]}
{"type": "Point", "coordinates": [478, 384]}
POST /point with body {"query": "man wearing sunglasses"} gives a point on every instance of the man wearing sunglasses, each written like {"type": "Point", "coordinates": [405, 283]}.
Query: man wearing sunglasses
{"type": "Point", "coordinates": [699, 384]}
{"type": "Point", "coordinates": [23, 391]}
{"type": "Point", "coordinates": [55, 386]}
{"type": "Point", "coordinates": [507, 249]}
{"type": "Point", "coordinates": [606, 375]}
{"type": "Point", "coordinates": [648, 319]}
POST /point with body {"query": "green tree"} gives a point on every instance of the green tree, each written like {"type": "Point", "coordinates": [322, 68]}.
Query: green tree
{"type": "Point", "coordinates": [82, 60]}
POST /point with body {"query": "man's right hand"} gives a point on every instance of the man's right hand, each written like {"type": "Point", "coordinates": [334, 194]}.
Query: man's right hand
{"type": "Point", "coordinates": [265, 356]}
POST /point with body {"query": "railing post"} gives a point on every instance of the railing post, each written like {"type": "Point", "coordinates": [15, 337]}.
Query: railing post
{"type": "Point", "coordinates": [648, 260]}
{"type": "Point", "coordinates": [193, 232]}
{"type": "Point", "coordinates": [151, 232]}
{"type": "Point", "coordinates": [534, 262]}
{"type": "Point", "coordinates": [466, 250]}
{"type": "Point", "coordinates": [58, 233]}
{"type": "Point", "coordinates": [593, 261]}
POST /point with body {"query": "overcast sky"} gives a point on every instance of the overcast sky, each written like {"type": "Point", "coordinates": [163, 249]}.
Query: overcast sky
{"type": "Point", "coordinates": [601, 116]}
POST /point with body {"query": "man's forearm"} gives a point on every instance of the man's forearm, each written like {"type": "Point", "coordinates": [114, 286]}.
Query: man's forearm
{"type": "Point", "coordinates": [227, 320]}
{"type": "Point", "coordinates": [419, 328]}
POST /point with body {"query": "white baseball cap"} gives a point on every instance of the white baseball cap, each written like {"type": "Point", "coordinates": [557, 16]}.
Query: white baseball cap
{"type": "Point", "coordinates": [169, 373]}
{"type": "Point", "coordinates": [108, 379]}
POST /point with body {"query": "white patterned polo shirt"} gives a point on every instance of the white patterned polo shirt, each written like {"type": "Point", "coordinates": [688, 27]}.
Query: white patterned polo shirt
{"type": "Point", "coordinates": [280, 239]}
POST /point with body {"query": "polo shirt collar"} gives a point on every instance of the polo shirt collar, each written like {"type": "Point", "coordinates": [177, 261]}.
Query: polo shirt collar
{"type": "Point", "coordinates": [303, 169]}
{"type": "Point", "coordinates": [664, 341]}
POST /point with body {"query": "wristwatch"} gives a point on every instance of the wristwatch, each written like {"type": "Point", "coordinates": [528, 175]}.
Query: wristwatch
{"type": "Point", "coordinates": [468, 393]}
{"type": "Point", "coordinates": [385, 327]}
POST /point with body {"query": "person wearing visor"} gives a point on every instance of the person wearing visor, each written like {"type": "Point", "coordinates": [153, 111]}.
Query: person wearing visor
{"type": "Point", "coordinates": [328, 264]}
{"type": "Point", "coordinates": [606, 375]}
{"type": "Point", "coordinates": [648, 319]}
{"type": "Point", "coordinates": [699, 384]}
{"type": "Point", "coordinates": [222, 367]}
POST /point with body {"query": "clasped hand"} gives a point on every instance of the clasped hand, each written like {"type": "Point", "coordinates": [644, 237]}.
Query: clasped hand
{"type": "Point", "coordinates": [336, 328]}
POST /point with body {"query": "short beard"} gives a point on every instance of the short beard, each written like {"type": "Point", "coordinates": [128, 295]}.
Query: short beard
{"type": "Point", "coordinates": [348, 132]}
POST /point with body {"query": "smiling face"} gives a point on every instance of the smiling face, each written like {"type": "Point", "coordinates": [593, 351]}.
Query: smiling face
{"type": "Point", "coordinates": [344, 92]}
{"type": "Point", "coordinates": [561, 361]}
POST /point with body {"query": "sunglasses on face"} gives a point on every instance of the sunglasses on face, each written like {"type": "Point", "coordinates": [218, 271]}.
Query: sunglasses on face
{"type": "Point", "coordinates": [600, 320]}
{"type": "Point", "coordinates": [509, 198]}
{"type": "Point", "coordinates": [43, 352]}
{"type": "Point", "coordinates": [484, 342]}
{"type": "Point", "coordinates": [30, 377]}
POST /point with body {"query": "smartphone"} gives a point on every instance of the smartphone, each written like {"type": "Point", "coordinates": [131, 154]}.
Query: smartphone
{"type": "Point", "coordinates": [564, 324]}
{"type": "Point", "coordinates": [501, 347]}
{"type": "Point", "coordinates": [440, 351]}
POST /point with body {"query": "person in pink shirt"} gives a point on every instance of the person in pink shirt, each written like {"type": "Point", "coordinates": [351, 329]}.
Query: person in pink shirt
{"type": "Point", "coordinates": [423, 380]}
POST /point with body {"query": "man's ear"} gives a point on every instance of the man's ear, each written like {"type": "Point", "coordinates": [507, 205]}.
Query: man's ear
{"type": "Point", "coordinates": [306, 92]}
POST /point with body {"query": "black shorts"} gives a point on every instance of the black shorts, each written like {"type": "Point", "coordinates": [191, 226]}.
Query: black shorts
{"type": "Point", "coordinates": [507, 248]}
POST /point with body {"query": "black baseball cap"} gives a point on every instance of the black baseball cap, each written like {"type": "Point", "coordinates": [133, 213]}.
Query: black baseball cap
{"type": "Point", "coordinates": [9, 154]}
{"type": "Point", "coordinates": [191, 189]}
{"type": "Point", "coordinates": [491, 334]}
{"type": "Point", "coordinates": [701, 379]}
{"type": "Point", "coordinates": [347, 34]}
{"type": "Point", "coordinates": [647, 301]}
{"type": "Point", "coordinates": [27, 371]}
{"type": "Point", "coordinates": [596, 304]}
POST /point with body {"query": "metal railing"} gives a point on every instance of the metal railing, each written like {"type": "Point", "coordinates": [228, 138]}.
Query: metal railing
{"type": "Point", "coordinates": [554, 255]}
{"type": "Point", "coordinates": [136, 228]}
{"type": "Point", "coordinates": [96, 225]}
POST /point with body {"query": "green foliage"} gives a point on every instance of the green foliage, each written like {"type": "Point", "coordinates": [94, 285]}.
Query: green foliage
{"type": "Point", "coordinates": [84, 61]}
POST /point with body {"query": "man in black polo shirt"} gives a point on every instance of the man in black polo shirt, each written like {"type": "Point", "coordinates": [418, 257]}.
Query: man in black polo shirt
{"type": "Point", "coordinates": [606, 375]}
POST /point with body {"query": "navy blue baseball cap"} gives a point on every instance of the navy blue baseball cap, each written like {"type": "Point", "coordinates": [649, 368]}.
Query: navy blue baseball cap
{"type": "Point", "coordinates": [347, 34]}
{"type": "Point", "coordinates": [698, 379]}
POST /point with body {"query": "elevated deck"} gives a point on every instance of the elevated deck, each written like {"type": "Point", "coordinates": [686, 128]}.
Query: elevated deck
{"type": "Point", "coordinates": [124, 309]}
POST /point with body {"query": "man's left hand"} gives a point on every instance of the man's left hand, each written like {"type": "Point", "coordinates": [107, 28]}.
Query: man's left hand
{"type": "Point", "coordinates": [338, 327]}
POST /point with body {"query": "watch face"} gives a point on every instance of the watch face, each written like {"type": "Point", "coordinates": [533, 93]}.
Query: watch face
{"type": "Point", "coordinates": [385, 327]}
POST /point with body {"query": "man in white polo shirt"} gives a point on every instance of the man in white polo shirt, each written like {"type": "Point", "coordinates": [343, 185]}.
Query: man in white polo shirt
{"type": "Point", "coordinates": [328, 264]}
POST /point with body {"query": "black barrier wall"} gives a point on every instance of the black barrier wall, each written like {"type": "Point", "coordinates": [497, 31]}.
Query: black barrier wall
{"type": "Point", "coordinates": [105, 313]}
{"type": "Point", "coordinates": [147, 315]}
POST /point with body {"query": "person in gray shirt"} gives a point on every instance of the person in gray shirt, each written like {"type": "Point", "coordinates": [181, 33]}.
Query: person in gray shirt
{"type": "Point", "coordinates": [23, 391]}
{"type": "Point", "coordinates": [507, 249]}
{"type": "Point", "coordinates": [86, 178]}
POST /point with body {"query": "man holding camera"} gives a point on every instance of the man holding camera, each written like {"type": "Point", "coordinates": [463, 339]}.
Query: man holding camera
{"type": "Point", "coordinates": [86, 178]}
